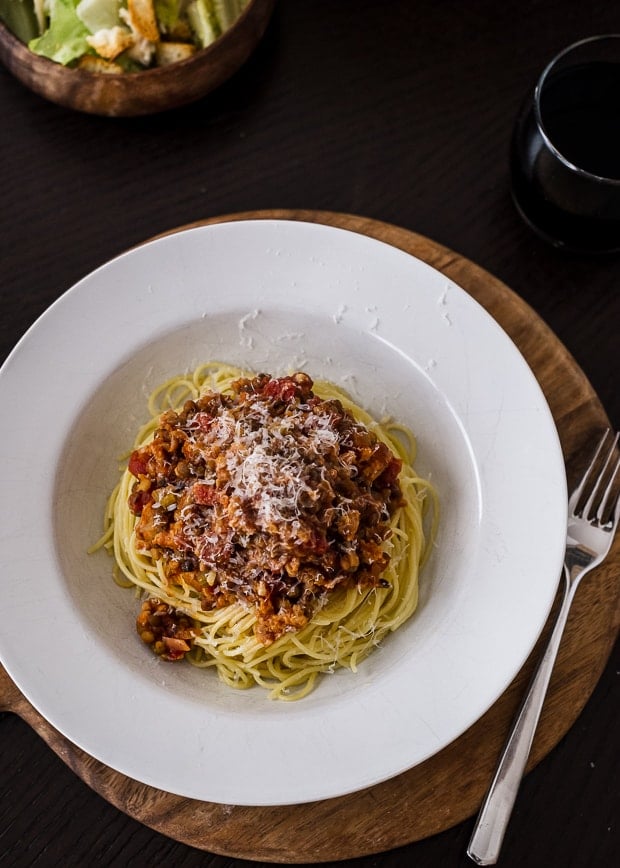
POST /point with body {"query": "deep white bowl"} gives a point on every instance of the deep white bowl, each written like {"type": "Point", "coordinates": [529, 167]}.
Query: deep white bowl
{"type": "Point", "coordinates": [273, 296]}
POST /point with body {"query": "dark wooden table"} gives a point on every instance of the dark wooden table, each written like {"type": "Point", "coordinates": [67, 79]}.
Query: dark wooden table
{"type": "Point", "coordinates": [399, 111]}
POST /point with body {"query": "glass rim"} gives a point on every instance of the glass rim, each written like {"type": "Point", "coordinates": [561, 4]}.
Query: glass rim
{"type": "Point", "coordinates": [538, 114]}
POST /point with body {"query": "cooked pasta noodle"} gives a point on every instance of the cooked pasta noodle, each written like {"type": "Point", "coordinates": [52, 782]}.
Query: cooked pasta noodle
{"type": "Point", "coordinates": [350, 621]}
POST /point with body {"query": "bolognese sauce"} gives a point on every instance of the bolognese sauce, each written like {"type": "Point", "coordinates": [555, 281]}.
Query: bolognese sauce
{"type": "Point", "coordinates": [266, 495]}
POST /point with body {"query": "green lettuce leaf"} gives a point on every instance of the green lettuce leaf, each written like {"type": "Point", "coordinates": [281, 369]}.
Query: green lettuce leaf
{"type": "Point", "coordinates": [65, 38]}
{"type": "Point", "coordinates": [167, 13]}
{"type": "Point", "coordinates": [19, 17]}
{"type": "Point", "coordinates": [98, 14]}
{"type": "Point", "coordinates": [226, 12]}
{"type": "Point", "coordinates": [203, 22]}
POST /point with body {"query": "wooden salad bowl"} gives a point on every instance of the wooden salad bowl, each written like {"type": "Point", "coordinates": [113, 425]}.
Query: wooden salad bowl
{"type": "Point", "coordinates": [139, 93]}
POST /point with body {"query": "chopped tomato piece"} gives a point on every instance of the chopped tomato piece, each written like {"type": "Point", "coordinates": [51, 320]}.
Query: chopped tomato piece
{"type": "Point", "coordinates": [203, 421]}
{"type": "Point", "coordinates": [175, 648]}
{"type": "Point", "coordinates": [138, 500]}
{"type": "Point", "coordinates": [283, 389]}
{"type": "Point", "coordinates": [204, 494]}
{"type": "Point", "coordinates": [138, 463]}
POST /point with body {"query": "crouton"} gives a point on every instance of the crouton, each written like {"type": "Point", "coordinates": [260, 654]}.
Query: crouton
{"type": "Point", "coordinates": [111, 42]}
{"type": "Point", "coordinates": [171, 52]}
{"type": "Point", "coordinates": [142, 16]}
{"type": "Point", "coordinates": [90, 63]}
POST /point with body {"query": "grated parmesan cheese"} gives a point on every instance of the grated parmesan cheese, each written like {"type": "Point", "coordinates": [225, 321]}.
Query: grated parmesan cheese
{"type": "Point", "coordinates": [269, 496]}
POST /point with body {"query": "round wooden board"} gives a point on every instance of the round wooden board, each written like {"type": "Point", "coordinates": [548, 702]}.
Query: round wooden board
{"type": "Point", "coordinates": [449, 787]}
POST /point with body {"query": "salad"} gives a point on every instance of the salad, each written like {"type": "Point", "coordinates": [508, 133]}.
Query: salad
{"type": "Point", "coordinates": [118, 36]}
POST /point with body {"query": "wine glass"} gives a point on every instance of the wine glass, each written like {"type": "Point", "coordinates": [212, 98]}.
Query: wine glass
{"type": "Point", "coordinates": [565, 151]}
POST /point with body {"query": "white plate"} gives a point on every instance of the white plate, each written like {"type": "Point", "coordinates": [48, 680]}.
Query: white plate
{"type": "Point", "coordinates": [273, 295]}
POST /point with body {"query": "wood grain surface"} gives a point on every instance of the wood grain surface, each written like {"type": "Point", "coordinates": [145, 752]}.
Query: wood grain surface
{"type": "Point", "coordinates": [448, 787]}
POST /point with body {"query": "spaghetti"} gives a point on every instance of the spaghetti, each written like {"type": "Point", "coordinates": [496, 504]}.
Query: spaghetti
{"type": "Point", "coordinates": [275, 528]}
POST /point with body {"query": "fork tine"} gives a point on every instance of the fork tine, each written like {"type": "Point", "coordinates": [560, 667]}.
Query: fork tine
{"type": "Point", "coordinates": [578, 491]}
{"type": "Point", "coordinates": [589, 504]}
{"type": "Point", "coordinates": [605, 514]}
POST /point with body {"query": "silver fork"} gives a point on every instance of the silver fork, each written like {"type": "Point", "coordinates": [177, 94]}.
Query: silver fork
{"type": "Point", "coordinates": [591, 529]}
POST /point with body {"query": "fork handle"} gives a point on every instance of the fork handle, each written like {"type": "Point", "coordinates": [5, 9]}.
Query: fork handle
{"type": "Point", "coordinates": [494, 816]}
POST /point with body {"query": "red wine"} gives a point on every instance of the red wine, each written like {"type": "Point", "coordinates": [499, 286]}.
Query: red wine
{"type": "Point", "coordinates": [580, 113]}
{"type": "Point", "coordinates": [570, 192]}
